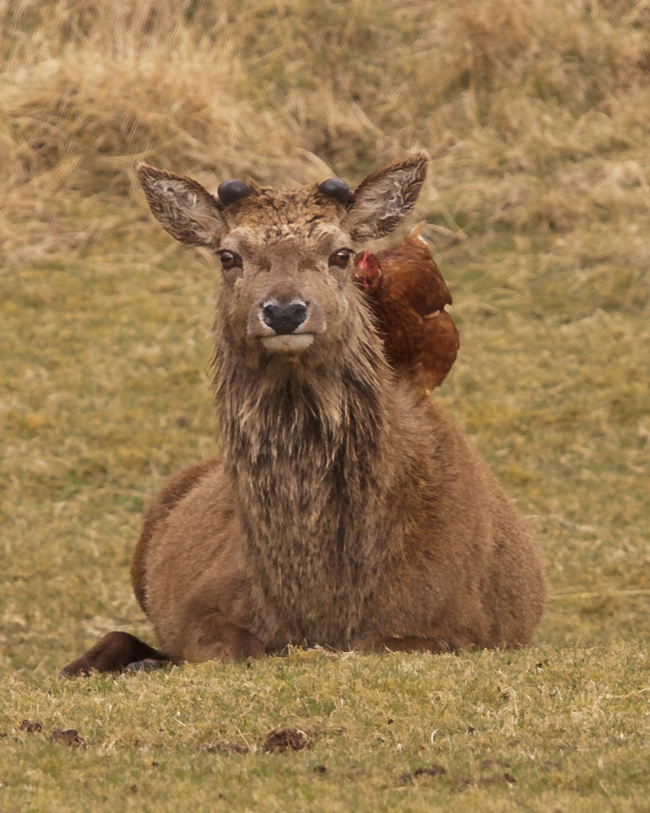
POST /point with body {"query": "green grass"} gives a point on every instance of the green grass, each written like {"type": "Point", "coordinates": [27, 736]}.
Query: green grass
{"type": "Point", "coordinates": [544, 729]}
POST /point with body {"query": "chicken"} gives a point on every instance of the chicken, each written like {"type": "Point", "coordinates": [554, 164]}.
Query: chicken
{"type": "Point", "coordinates": [409, 299]}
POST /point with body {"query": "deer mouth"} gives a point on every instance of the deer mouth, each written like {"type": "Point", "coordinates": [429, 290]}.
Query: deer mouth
{"type": "Point", "coordinates": [285, 326]}
{"type": "Point", "coordinates": [287, 342]}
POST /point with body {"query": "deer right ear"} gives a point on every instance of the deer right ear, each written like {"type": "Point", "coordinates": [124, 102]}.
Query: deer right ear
{"type": "Point", "coordinates": [386, 197]}
{"type": "Point", "coordinates": [183, 207]}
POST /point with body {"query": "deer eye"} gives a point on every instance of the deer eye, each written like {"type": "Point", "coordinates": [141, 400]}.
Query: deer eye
{"type": "Point", "coordinates": [229, 259]}
{"type": "Point", "coordinates": [341, 257]}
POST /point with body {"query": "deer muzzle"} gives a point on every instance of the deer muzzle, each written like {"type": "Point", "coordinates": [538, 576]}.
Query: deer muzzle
{"type": "Point", "coordinates": [285, 326]}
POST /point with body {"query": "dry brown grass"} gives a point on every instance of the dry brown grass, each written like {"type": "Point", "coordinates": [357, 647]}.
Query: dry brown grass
{"type": "Point", "coordinates": [534, 113]}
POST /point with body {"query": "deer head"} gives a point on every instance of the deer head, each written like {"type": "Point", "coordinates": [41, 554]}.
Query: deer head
{"type": "Point", "coordinates": [286, 255]}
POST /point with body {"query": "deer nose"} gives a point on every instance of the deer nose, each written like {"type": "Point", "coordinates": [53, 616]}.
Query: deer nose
{"type": "Point", "coordinates": [284, 319]}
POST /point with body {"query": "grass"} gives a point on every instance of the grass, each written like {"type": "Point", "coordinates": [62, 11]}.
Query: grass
{"type": "Point", "coordinates": [538, 208]}
{"type": "Point", "coordinates": [563, 732]}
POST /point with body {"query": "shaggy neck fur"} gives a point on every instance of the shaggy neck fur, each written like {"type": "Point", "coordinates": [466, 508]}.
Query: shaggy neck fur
{"type": "Point", "coordinates": [304, 448]}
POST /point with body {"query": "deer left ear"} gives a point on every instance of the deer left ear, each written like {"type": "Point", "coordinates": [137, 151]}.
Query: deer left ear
{"type": "Point", "coordinates": [382, 201]}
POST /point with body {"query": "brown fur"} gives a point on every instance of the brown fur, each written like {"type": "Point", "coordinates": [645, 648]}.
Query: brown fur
{"type": "Point", "coordinates": [346, 510]}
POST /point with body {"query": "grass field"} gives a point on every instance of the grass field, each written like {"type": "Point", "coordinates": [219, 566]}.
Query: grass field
{"type": "Point", "coordinates": [536, 117]}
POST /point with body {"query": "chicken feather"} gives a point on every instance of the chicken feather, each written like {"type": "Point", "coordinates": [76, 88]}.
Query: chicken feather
{"type": "Point", "coordinates": [410, 300]}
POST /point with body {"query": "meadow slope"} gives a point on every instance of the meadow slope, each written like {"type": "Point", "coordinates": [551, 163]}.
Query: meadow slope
{"type": "Point", "coordinates": [536, 116]}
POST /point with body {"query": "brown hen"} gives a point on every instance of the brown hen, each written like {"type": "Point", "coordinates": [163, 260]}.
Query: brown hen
{"type": "Point", "coordinates": [409, 298]}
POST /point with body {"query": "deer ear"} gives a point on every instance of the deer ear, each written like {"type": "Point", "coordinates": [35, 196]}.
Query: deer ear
{"type": "Point", "coordinates": [183, 207]}
{"type": "Point", "coordinates": [386, 197]}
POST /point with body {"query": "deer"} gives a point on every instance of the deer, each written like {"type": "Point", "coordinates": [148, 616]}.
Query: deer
{"type": "Point", "coordinates": [345, 510]}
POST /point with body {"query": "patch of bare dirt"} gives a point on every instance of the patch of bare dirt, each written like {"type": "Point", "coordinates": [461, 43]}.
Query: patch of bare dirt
{"type": "Point", "coordinates": [69, 737]}
{"type": "Point", "coordinates": [30, 726]}
{"type": "Point", "coordinates": [432, 770]}
{"type": "Point", "coordinates": [280, 740]}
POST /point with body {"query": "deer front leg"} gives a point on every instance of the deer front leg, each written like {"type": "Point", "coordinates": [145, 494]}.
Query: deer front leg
{"type": "Point", "coordinates": [214, 637]}
{"type": "Point", "coordinates": [113, 653]}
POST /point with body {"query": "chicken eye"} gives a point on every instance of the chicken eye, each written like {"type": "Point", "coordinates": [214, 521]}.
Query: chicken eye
{"type": "Point", "coordinates": [229, 259]}
{"type": "Point", "coordinates": [341, 257]}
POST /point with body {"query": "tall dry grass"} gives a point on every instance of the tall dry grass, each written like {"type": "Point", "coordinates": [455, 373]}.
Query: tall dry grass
{"type": "Point", "coordinates": [535, 113]}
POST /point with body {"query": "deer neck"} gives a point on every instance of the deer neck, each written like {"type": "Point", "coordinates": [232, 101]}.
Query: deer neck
{"type": "Point", "coordinates": [307, 452]}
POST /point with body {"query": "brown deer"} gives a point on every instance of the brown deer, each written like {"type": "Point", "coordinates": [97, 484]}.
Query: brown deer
{"type": "Point", "coordinates": [346, 510]}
